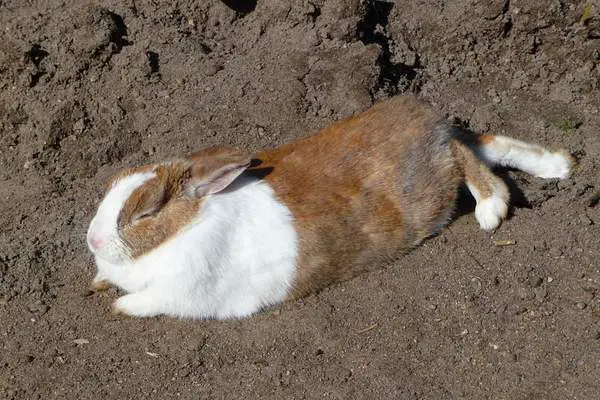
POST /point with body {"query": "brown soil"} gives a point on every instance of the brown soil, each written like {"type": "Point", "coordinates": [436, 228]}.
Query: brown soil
{"type": "Point", "coordinates": [88, 89]}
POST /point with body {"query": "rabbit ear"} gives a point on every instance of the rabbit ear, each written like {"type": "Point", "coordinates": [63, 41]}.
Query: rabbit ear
{"type": "Point", "coordinates": [213, 170]}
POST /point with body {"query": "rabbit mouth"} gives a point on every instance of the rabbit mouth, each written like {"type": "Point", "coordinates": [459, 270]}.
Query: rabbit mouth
{"type": "Point", "coordinates": [105, 243]}
{"type": "Point", "coordinates": [114, 251]}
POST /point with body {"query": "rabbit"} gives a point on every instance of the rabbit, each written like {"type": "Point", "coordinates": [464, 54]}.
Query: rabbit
{"type": "Point", "coordinates": [222, 234]}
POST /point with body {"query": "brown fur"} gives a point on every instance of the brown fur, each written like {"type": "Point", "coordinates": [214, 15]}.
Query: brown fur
{"type": "Point", "coordinates": [365, 189]}
{"type": "Point", "coordinates": [157, 210]}
{"type": "Point", "coordinates": [484, 139]}
{"type": "Point", "coordinates": [477, 173]}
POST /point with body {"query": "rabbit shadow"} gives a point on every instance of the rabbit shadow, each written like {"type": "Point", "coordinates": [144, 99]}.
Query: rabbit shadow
{"type": "Point", "coordinates": [254, 173]}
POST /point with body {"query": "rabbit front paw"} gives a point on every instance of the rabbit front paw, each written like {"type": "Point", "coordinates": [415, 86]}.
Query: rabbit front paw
{"type": "Point", "coordinates": [136, 305]}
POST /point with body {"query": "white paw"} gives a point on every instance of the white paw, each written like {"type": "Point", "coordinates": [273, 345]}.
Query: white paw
{"type": "Point", "coordinates": [555, 165]}
{"type": "Point", "coordinates": [490, 212]}
{"type": "Point", "coordinates": [136, 305]}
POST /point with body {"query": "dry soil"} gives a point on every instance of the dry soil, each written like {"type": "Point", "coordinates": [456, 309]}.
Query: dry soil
{"type": "Point", "coordinates": [89, 88]}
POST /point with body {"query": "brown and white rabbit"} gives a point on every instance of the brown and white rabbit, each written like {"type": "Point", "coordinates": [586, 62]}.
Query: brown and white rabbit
{"type": "Point", "coordinates": [220, 234]}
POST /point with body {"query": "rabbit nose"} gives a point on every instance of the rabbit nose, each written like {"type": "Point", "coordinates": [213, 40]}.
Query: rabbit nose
{"type": "Point", "coordinates": [95, 242]}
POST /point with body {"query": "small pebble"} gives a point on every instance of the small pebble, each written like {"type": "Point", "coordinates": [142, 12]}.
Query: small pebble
{"type": "Point", "coordinates": [540, 294]}
{"type": "Point", "coordinates": [515, 309]}
{"type": "Point", "coordinates": [585, 220]}
{"type": "Point", "coordinates": [581, 305]}
{"type": "Point", "coordinates": [211, 68]}
{"type": "Point", "coordinates": [535, 281]}
{"type": "Point", "coordinates": [476, 285]}
{"type": "Point", "coordinates": [38, 307]}
{"type": "Point", "coordinates": [525, 294]}
{"type": "Point", "coordinates": [79, 125]}
{"type": "Point", "coordinates": [411, 58]}
{"type": "Point", "coordinates": [555, 252]}
{"type": "Point", "coordinates": [589, 293]}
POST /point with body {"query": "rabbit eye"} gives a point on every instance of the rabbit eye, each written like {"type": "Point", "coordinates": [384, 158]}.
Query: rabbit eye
{"type": "Point", "coordinates": [142, 216]}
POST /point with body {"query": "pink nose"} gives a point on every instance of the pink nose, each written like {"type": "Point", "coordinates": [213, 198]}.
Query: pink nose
{"type": "Point", "coordinates": [95, 242]}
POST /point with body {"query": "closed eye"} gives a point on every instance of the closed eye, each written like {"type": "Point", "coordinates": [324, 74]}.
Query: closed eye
{"type": "Point", "coordinates": [142, 216]}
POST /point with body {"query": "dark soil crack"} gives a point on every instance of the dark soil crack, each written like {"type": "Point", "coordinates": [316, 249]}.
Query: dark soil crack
{"type": "Point", "coordinates": [394, 77]}
{"type": "Point", "coordinates": [153, 62]}
{"type": "Point", "coordinates": [506, 19]}
{"type": "Point", "coordinates": [35, 56]}
{"type": "Point", "coordinates": [118, 35]}
{"type": "Point", "coordinates": [241, 6]}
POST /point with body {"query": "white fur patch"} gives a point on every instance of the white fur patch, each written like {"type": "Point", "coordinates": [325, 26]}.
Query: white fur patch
{"type": "Point", "coordinates": [527, 157]}
{"type": "Point", "coordinates": [553, 165]}
{"type": "Point", "coordinates": [491, 210]}
{"type": "Point", "coordinates": [104, 223]}
{"type": "Point", "coordinates": [236, 258]}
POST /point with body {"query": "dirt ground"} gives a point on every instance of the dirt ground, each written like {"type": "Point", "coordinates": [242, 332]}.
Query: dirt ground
{"type": "Point", "coordinates": [87, 89]}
